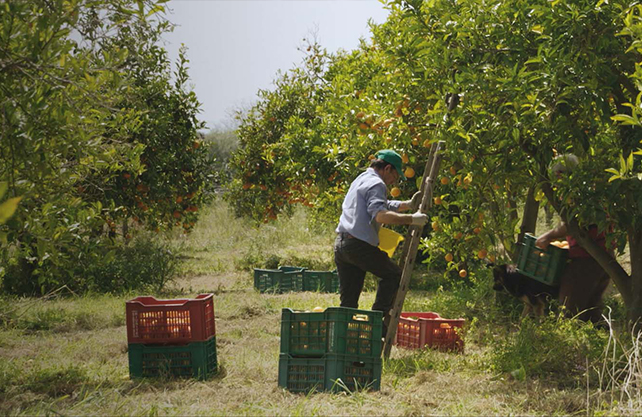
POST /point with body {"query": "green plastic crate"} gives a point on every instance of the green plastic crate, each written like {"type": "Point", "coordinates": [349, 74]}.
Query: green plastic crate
{"type": "Point", "coordinates": [545, 266]}
{"type": "Point", "coordinates": [329, 373]}
{"type": "Point", "coordinates": [194, 360]}
{"type": "Point", "coordinates": [279, 280]}
{"type": "Point", "coordinates": [338, 330]}
{"type": "Point", "coordinates": [286, 268]}
{"type": "Point", "coordinates": [322, 281]}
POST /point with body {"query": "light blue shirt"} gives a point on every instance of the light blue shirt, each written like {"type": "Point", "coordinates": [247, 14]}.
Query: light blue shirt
{"type": "Point", "coordinates": [366, 197]}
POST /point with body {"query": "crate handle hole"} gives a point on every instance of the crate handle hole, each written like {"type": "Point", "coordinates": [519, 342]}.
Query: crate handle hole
{"type": "Point", "coordinates": [360, 317]}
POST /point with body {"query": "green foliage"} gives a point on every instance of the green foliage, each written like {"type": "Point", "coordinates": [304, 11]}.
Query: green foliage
{"type": "Point", "coordinates": [145, 264]}
{"type": "Point", "coordinates": [506, 85]}
{"type": "Point", "coordinates": [221, 144]}
{"type": "Point", "coordinates": [554, 347]}
{"type": "Point", "coordinates": [8, 207]}
{"type": "Point", "coordinates": [106, 135]}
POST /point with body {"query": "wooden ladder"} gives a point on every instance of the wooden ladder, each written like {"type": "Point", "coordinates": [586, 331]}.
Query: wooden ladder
{"type": "Point", "coordinates": [411, 244]}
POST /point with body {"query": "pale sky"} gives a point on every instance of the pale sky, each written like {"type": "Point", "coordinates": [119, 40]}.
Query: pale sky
{"type": "Point", "coordinates": [236, 47]}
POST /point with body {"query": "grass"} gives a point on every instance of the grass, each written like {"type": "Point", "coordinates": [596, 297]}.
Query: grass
{"type": "Point", "coordinates": [67, 354]}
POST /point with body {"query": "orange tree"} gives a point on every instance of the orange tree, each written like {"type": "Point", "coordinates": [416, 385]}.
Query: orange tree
{"type": "Point", "coordinates": [79, 119]}
{"type": "Point", "coordinates": [536, 79]}
{"type": "Point", "coordinates": [531, 79]}
{"type": "Point", "coordinates": [175, 173]}
{"type": "Point", "coordinates": [306, 140]}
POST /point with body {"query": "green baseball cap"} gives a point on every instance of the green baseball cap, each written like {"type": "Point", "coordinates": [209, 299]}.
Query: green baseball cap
{"type": "Point", "coordinates": [392, 158]}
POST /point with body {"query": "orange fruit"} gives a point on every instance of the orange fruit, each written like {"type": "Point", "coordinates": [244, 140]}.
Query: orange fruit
{"type": "Point", "coordinates": [449, 257]}
{"type": "Point", "coordinates": [427, 143]}
{"type": "Point", "coordinates": [177, 214]}
{"type": "Point", "coordinates": [415, 142]}
{"type": "Point", "coordinates": [444, 180]}
{"type": "Point", "coordinates": [482, 254]}
{"type": "Point", "coordinates": [463, 273]}
{"type": "Point", "coordinates": [491, 258]}
{"type": "Point", "coordinates": [371, 157]}
{"type": "Point", "coordinates": [438, 201]}
{"type": "Point", "coordinates": [361, 115]}
{"type": "Point", "coordinates": [395, 192]}
{"type": "Point", "coordinates": [364, 126]}
{"type": "Point", "coordinates": [457, 235]}
{"type": "Point", "coordinates": [409, 172]}
{"type": "Point", "coordinates": [126, 175]}
{"type": "Point", "coordinates": [453, 170]}
{"type": "Point", "coordinates": [476, 230]}
{"type": "Point", "coordinates": [404, 158]}
{"type": "Point", "coordinates": [435, 226]}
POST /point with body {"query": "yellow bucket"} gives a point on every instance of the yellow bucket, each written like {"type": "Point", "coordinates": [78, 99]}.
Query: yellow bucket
{"type": "Point", "coordinates": [388, 240]}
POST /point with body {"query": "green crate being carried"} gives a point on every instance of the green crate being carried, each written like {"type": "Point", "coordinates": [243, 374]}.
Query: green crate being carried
{"type": "Point", "coordinates": [339, 330]}
{"type": "Point", "coordinates": [543, 265]}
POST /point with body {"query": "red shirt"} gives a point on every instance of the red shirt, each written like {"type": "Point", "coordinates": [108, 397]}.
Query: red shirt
{"type": "Point", "coordinates": [576, 251]}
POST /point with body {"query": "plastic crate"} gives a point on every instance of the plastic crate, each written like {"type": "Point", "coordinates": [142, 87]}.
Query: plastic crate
{"type": "Point", "coordinates": [543, 265]}
{"type": "Point", "coordinates": [338, 330]}
{"type": "Point", "coordinates": [416, 330]}
{"type": "Point", "coordinates": [323, 281]}
{"type": "Point", "coordinates": [329, 373]}
{"type": "Point", "coordinates": [195, 360]}
{"type": "Point", "coordinates": [180, 321]}
{"type": "Point", "coordinates": [286, 268]}
{"type": "Point", "coordinates": [280, 280]}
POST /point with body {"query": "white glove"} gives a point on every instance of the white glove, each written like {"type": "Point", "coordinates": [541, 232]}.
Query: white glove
{"type": "Point", "coordinates": [419, 219]}
{"type": "Point", "coordinates": [415, 201]}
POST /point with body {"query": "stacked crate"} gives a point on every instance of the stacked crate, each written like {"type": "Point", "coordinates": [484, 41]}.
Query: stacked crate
{"type": "Point", "coordinates": [171, 337]}
{"type": "Point", "coordinates": [419, 330]}
{"type": "Point", "coordinates": [293, 278]}
{"type": "Point", "coordinates": [337, 349]}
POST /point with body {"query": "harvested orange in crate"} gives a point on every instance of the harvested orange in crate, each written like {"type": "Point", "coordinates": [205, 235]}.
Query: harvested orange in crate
{"type": "Point", "coordinates": [418, 330]}
{"type": "Point", "coordinates": [170, 322]}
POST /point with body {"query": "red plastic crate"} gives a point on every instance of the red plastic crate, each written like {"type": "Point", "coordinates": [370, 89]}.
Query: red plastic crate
{"type": "Point", "coordinates": [176, 322]}
{"type": "Point", "coordinates": [416, 330]}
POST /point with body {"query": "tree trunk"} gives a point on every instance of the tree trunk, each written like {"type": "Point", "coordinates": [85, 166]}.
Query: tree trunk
{"type": "Point", "coordinates": [510, 246]}
{"type": "Point", "coordinates": [634, 308]}
{"type": "Point", "coordinates": [529, 219]}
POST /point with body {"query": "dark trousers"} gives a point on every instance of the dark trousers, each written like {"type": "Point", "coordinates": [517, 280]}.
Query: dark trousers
{"type": "Point", "coordinates": [354, 258]}
{"type": "Point", "coordinates": [582, 286]}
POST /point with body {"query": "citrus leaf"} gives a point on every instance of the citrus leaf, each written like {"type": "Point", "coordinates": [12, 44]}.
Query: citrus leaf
{"type": "Point", "coordinates": [8, 208]}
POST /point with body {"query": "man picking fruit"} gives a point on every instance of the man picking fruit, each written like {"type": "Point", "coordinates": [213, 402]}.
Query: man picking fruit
{"type": "Point", "coordinates": [584, 281]}
{"type": "Point", "coordinates": [365, 208]}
